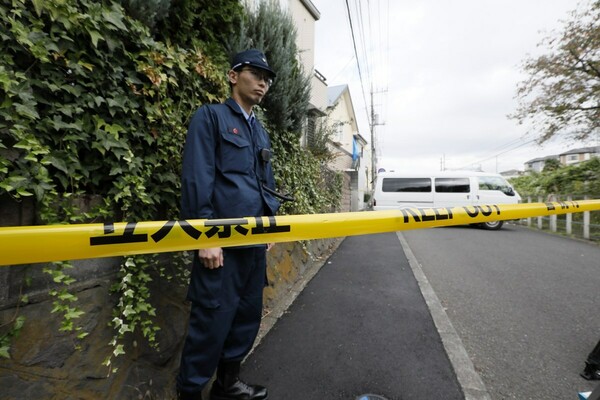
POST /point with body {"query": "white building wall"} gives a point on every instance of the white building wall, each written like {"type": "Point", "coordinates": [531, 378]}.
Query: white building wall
{"type": "Point", "coordinates": [305, 26]}
{"type": "Point", "coordinates": [343, 113]}
{"type": "Point", "coordinates": [305, 15]}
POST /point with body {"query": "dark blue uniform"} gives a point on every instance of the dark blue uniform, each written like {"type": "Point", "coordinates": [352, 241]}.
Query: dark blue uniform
{"type": "Point", "coordinates": [223, 177]}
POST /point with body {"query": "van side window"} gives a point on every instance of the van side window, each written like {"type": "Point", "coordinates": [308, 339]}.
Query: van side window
{"type": "Point", "coordinates": [495, 183]}
{"type": "Point", "coordinates": [406, 185]}
{"type": "Point", "coordinates": [452, 185]}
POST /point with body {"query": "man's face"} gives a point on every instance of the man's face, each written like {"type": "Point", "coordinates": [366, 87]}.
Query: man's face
{"type": "Point", "coordinates": [250, 84]}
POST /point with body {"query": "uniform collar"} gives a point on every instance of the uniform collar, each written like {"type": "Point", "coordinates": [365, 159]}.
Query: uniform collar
{"type": "Point", "coordinates": [237, 108]}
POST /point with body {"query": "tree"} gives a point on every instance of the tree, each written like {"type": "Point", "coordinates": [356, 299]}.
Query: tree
{"type": "Point", "coordinates": [579, 179]}
{"type": "Point", "coordinates": [562, 94]}
{"type": "Point", "coordinates": [272, 30]}
{"type": "Point", "coordinates": [551, 164]}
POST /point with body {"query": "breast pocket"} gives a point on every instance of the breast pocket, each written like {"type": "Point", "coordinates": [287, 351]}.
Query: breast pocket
{"type": "Point", "coordinates": [236, 154]}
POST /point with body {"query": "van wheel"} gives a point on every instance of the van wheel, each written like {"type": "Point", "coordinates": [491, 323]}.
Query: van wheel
{"type": "Point", "coordinates": [492, 225]}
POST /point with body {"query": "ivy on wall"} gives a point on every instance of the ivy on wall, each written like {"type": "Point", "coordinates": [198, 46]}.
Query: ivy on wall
{"type": "Point", "coordinates": [94, 108]}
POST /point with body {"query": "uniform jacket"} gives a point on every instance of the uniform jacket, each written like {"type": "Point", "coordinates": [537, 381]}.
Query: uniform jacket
{"type": "Point", "coordinates": [223, 172]}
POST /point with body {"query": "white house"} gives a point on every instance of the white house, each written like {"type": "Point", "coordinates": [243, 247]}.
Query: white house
{"type": "Point", "coordinates": [349, 147]}
{"type": "Point", "coordinates": [576, 156]}
{"type": "Point", "coordinates": [537, 164]}
{"type": "Point", "coordinates": [570, 157]}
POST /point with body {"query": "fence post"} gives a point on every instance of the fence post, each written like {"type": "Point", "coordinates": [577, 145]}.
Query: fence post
{"type": "Point", "coordinates": [586, 221]}
{"type": "Point", "coordinates": [553, 217]}
{"type": "Point", "coordinates": [569, 218]}
{"type": "Point", "coordinates": [553, 223]}
{"type": "Point", "coordinates": [539, 219]}
{"type": "Point", "coordinates": [529, 218]}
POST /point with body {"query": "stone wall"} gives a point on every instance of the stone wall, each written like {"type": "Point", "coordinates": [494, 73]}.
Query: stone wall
{"type": "Point", "coordinates": [49, 364]}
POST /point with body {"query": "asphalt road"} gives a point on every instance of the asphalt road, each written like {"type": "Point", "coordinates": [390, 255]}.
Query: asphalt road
{"type": "Point", "coordinates": [360, 326]}
{"type": "Point", "coordinates": [526, 305]}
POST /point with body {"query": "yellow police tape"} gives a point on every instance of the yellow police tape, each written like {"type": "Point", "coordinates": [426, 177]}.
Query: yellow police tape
{"type": "Point", "coordinates": [35, 244]}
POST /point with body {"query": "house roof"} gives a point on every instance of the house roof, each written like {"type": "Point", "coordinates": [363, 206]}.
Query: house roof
{"type": "Point", "coordinates": [534, 160]}
{"type": "Point", "coordinates": [334, 93]}
{"type": "Point", "coordinates": [360, 138]}
{"type": "Point", "coordinates": [583, 150]}
{"type": "Point", "coordinates": [311, 9]}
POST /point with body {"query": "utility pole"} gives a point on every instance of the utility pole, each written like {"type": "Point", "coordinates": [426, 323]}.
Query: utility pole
{"type": "Point", "coordinates": [372, 125]}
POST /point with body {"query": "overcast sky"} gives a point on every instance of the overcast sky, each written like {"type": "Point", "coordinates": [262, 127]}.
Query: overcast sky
{"type": "Point", "coordinates": [444, 76]}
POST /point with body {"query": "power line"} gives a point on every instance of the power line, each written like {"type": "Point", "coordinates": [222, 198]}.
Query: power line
{"type": "Point", "coordinates": [357, 59]}
{"type": "Point", "coordinates": [371, 50]}
{"type": "Point", "coordinates": [343, 68]}
{"type": "Point", "coordinates": [501, 153]}
{"type": "Point", "coordinates": [370, 35]}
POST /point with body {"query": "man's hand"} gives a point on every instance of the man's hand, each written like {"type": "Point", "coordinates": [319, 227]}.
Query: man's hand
{"type": "Point", "coordinates": [270, 246]}
{"type": "Point", "coordinates": [211, 258]}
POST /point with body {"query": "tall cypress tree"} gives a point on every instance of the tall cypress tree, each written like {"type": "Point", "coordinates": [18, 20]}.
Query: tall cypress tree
{"type": "Point", "coordinates": [272, 30]}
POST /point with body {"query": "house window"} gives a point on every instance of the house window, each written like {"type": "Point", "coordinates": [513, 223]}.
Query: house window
{"type": "Point", "coordinates": [339, 132]}
{"type": "Point", "coordinates": [406, 185]}
{"type": "Point", "coordinates": [452, 185]}
{"type": "Point", "coordinates": [311, 124]}
{"type": "Point", "coordinates": [572, 157]}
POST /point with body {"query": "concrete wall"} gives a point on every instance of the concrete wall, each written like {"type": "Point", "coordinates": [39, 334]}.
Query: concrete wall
{"type": "Point", "coordinates": [47, 363]}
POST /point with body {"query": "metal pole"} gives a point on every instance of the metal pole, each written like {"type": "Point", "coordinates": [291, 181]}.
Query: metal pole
{"type": "Point", "coordinates": [373, 152]}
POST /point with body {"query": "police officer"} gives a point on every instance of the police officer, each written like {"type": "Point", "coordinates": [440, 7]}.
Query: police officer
{"type": "Point", "coordinates": [227, 174]}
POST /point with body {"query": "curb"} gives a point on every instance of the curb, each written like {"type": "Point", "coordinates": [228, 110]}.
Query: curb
{"type": "Point", "coordinates": [468, 379]}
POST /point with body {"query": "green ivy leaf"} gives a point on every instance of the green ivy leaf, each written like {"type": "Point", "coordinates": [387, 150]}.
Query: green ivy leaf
{"type": "Point", "coordinates": [73, 314]}
{"type": "Point", "coordinates": [26, 110]}
{"type": "Point", "coordinates": [19, 322]}
{"type": "Point", "coordinates": [24, 192]}
{"type": "Point", "coordinates": [57, 163]}
{"type": "Point", "coordinates": [4, 351]}
{"type": "Point", "coordinates": [6, 187]}
{"type": "Point", "coordinates": [95, 36]}
{"type": "Point", "coordinates": [38, 6]}
{"type": "Point", "coordinates": [115, 18]}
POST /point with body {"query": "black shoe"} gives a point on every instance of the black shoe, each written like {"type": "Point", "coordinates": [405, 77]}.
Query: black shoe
{"type": "Point", "coordinates": [188, 396]}
{"type": "Point", "coordinates": [228, 385]}
{"type": "Point", "coordinates": [591, 372]}
{"type": "Point", "coordinates": [239, 390]}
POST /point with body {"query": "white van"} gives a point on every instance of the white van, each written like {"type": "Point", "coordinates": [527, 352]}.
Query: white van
{"type": "Point", "coordinates": [443, 189]}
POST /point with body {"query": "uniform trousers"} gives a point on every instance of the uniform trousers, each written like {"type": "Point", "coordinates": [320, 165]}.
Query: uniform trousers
{"type": "Point", "coordinates": [225, 314]}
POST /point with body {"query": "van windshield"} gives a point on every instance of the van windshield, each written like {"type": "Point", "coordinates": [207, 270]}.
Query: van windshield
{"type": "Point", "coordinates": [495, 183]}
